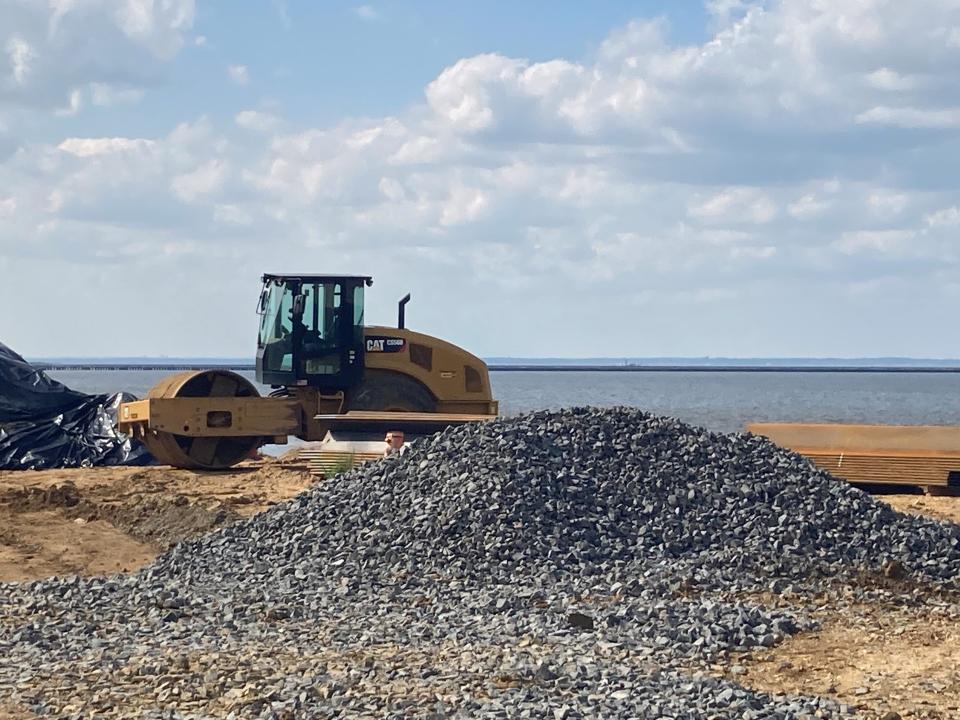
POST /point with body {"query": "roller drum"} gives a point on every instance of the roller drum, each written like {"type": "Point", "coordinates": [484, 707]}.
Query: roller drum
{"type": "Point", "coordinates": [201, 453]}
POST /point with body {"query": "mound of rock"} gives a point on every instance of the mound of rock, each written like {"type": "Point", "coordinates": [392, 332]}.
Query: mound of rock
{"type": "Point", "coordinates": [581, 494]}
{"type": "Point", "coordinates": [578, 563]}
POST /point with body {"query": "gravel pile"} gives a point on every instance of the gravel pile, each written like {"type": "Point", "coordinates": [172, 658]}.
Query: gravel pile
{"type": "Point", "coordinates": [580, 563]}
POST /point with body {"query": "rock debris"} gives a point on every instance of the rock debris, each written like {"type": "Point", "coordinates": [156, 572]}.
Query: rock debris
{"type": "Point", "coordinates": [581, 563]}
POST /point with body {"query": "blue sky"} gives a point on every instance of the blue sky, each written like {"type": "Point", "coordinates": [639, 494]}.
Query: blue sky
{"type": "Point", "coordinates": [322, 62]}
{"type": "Point", "coordinates": [724, 178]}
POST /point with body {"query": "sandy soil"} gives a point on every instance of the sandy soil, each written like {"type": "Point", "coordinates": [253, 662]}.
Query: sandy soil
{"type": "Point", "coordinates": [938, 508]}
{"type": "Point", "coordinates": [106, 520]}
{"type": "Point", "coordinates": [879, 660]}
{"type": "Point", "coordinates": [886, 661]}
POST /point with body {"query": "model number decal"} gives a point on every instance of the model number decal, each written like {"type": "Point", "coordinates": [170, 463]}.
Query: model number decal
{"type": "Point", "coordinates": [383, 344]}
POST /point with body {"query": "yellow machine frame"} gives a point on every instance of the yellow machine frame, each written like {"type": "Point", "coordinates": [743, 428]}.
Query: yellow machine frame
{"type": "Point", "coordinates": [458, 381]}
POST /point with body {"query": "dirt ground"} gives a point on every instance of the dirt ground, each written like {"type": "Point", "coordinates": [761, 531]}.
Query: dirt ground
{"type": "Point", "coordinates": [938, 508]}
{"type": "Point", "coordinates": [107, 520]}
{"type": "Point", "coordinates": [886, 661]}
{"type": "Point", "coordinates": [879, 660]}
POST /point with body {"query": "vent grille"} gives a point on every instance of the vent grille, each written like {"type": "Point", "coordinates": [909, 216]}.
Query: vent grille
{"type": "Point", "coordinates": [421, 355]}
{"type": "Point", "coordinates": [472, 379]}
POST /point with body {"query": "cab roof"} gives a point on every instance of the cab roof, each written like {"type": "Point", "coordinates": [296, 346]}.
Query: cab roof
{"type": "Point", "coordinates": [312, 278]}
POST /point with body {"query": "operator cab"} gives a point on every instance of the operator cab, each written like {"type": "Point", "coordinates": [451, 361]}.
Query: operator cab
{"type": "Point", "coordinates": [311, 331]}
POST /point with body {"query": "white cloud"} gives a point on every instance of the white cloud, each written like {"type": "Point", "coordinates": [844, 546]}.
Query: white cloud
{"type": "Point", "coordinates": [368, 13]}
{"type": "Point", "coordinates": [804, 148]}
{"type": "Point", "coordinates": [202, 181]}
{"type": "Point", "coordinates": [911, 117]}
{"type": "Point", "coordinates": [89, 147]}
{"type": "Point", "coordinates": [157, 25]}
{"type": "Point", "coordinates": [54, 202]}
{"type": "Point", "coordinates": [808, 206]}
{"type": "Point", "coordinates": [887, 204]}
{"type": "Point", "coordinates": [257, 120]}
{"type": "Point", "coordinates": [105, 95]}
{"type": "Point", "coordinates": [463, 205]}
{"type": "Point", "coordinates": [725, 11]}
{"type": "Point", "coordinates": [878, 241]}
{"type": "Point", "coordinates": [227, 214]}
{"type": "Point", "coordinates": [73, 104]}
{"type": "Point", "coordinates": [54, 50]}
{"type": "Point", "coordinates": [735, 205]}
{"type": "Point", "coordinates": [239, 74]}
{"type": "Point", "coordinates": [947, 217]}
{"type": "Point", "coordinates": [887, 79]}
{"type": "Point", "coordinates": [724, 236]}
{"type": "Point", "coordinates": [460, 97]}
{"type": "Point", "coordinates": [391, 189]}
{"type": "Point", "coordinates": [283, 13]}
{"type": "Point", "coordinates": [753, 252]}
{"type": "Point", "coordinates": [20, 55]}
{"type": "Point", "coordinates": [421, 149]}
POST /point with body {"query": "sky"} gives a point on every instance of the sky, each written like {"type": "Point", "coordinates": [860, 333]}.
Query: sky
{"type": "Point", "coordinates": [727, 178]}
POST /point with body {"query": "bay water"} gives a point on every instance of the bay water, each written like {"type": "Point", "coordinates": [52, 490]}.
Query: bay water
{"type": "Point", "coordinates": [723, 401]}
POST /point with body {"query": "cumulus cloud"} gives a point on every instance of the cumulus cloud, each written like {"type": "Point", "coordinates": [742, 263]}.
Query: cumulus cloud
{"type": "Point", "coordinates": [239, 74]}
{"type": "Point", "coordinates": [20, 55]}
{"type": "Point", "coordinates": [368, 13]}
{"type": "Point", "coordinates": [257, 120]}
{"type": "Point", "coordinates": [89, 147]}
{"type": "Point", "coordinates": [200, 182]}
{"type": "Point", "coordinates": [735, 205]}
{"type": "Point", "coordinates": [105, 95]}
{"type": "Point", "coordinates": [283, 13]}
{"type": "Point", "coordinates": [911, 117]}
{"type": "Point", "coordinates": [887, 79]}
{"type": "Point", "coordinates": [56, 49]}
{"type": "Point", "coordinates": [73, 104]}
{"type": "Point", "coordinates": [946, 217]}
{"type": "Point", "coordinates": [807, 206]}
{"type": "Point", "coordinates": [784, 169]}
{"type": "Point", "coordinates": [879, 241]}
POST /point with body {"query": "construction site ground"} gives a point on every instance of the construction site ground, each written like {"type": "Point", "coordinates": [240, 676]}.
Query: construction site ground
{"type": "Point", "coordinates": [883, 659]}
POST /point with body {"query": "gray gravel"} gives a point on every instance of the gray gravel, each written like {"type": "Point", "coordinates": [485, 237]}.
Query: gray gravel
{"type": "Point", "coordinates": [573, 564]}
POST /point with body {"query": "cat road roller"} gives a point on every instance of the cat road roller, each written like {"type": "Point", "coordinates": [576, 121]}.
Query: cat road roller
{"type": "Point", "coordinates": [334, 380]}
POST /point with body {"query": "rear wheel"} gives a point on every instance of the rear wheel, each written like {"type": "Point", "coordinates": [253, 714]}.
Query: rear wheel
{"type": "Point", "coordinates": [388, 391]}
{"type": "Point", "coordinates": [202, 453]}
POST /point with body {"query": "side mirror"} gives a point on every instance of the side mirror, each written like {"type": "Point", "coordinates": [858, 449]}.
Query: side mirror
{"type": "Point", "coordinates": [297, 305]}
{"type": "Point", "coordinates": [262, 303]}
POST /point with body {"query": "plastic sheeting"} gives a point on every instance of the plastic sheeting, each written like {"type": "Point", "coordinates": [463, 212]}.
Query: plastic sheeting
{"type": "Point", "coordinates": [45, 424]}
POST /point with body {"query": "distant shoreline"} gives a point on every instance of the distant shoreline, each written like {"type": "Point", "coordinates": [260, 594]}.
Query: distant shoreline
{"type": "Point", "coordinates": [538, 367]}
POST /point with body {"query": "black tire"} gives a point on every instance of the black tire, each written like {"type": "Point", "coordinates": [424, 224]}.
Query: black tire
{"type": "Point", "coordinates": [386, 390]}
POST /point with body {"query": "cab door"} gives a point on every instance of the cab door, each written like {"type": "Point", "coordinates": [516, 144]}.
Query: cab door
{"type": "Point", "coordinates": [277, 340]}
{"type": "Point", "coordinates": [320, 358]}
{"type": "Point", "coordinates": [330, 342]}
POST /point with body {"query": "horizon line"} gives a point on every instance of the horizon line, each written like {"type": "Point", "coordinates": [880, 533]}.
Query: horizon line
{"type": "Point", "coordinates": [539, 358]}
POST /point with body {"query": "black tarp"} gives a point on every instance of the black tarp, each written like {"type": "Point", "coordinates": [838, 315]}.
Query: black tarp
{"type": "Point", "coordinates": [45, 424]}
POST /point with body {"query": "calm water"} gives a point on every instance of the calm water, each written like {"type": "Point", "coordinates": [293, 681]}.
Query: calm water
{"type": "Point", "coordinates": [719, 401]}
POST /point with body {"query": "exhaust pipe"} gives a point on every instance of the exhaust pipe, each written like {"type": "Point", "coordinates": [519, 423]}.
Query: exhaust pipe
{"type": "Point", "coordinates": [401, 311]}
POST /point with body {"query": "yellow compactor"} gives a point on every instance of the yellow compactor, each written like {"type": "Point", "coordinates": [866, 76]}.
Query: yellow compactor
{"type": "Point", "coordinates": [334, 380]}
{"type": "Point", "coordinates": [926, 456]}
